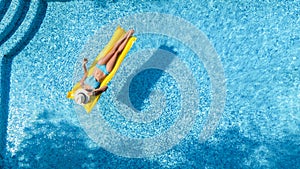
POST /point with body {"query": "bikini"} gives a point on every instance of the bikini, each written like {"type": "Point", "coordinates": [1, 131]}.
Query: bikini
{"type": "Point", "coordinates": [92, 81]}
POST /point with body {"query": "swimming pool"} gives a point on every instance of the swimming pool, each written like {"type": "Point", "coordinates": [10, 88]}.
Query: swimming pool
{"type": "Point", "coordinates": [165, 107]}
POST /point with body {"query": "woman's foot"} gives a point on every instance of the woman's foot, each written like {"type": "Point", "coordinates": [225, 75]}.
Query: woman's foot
{"type": "Point", "coordinates": [130, 33]}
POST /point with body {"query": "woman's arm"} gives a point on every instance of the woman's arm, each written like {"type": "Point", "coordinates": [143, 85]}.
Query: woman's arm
{"type": "Point", "coordinates": [99, 90]}
{"type": "Point", "coordinates": [85, 71]}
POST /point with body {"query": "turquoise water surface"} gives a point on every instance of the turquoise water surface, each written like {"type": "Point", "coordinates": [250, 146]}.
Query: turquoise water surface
{"type": "Point", "coordinates": [207, 84]}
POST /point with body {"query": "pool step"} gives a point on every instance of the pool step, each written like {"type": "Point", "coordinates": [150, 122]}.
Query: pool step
{"type": "Point", "coordinates": [13, 19]}
{"type": "Point", "coordinates": [8, 16]}
{"type": "Point", "coordinates": [26, 30]}
{"type": "Point", "coordinates": [4, 4]}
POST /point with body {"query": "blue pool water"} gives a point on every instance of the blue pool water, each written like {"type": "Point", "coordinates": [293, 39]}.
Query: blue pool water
{"type": "Point", "coordinates": [207, 84]}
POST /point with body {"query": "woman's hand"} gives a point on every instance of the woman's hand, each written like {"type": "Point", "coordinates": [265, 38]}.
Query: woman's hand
{"type": "Point", "coordinates": [104, 88]}
{"type": "Point", "coordinates": [84, 61]}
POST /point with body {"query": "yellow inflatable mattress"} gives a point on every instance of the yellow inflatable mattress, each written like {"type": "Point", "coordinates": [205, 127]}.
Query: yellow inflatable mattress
{"type": "Point", "coordinates": [118, 34]}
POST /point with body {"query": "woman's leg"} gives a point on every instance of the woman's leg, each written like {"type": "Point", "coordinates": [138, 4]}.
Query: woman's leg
{"type": "Point", "coordinates": [107, 57]}
{"type": "Point", "coordinates": [111, 63]}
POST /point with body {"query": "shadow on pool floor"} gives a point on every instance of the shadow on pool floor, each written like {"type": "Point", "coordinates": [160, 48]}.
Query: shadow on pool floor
{"type": "Point", "coordinates": [7, 64]}
{"type": "Point", "coordinates": [62, 145]}
{"type": "Point", "coordinates": [141, 85]}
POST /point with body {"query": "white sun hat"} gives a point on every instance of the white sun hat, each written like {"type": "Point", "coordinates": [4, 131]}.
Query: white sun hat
{"type": "Point", "coordinates": [81, 97]}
